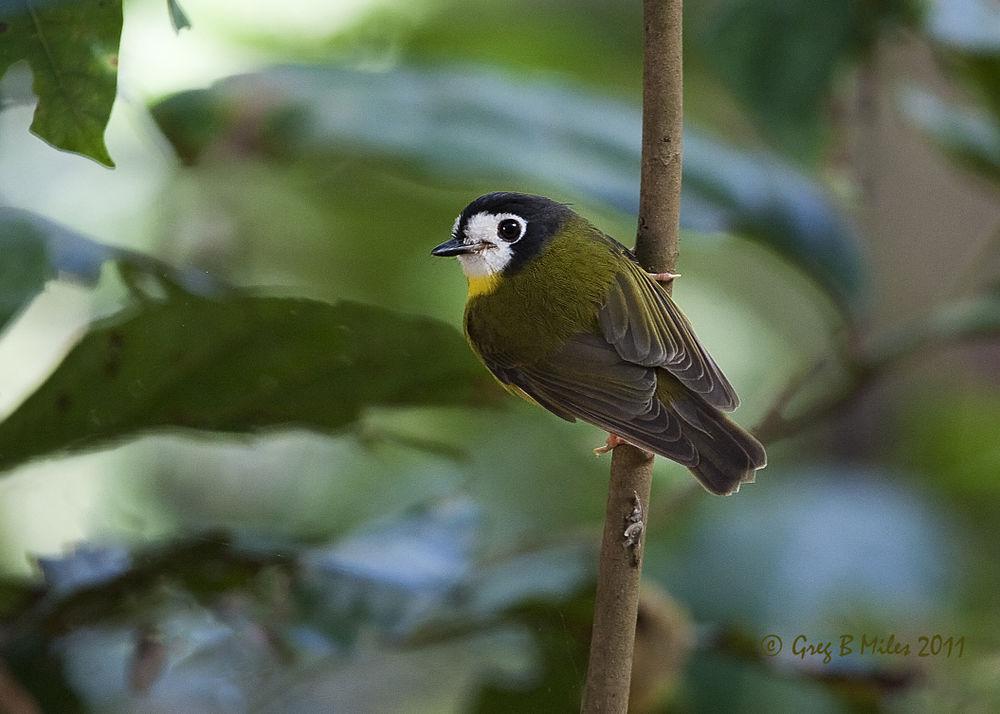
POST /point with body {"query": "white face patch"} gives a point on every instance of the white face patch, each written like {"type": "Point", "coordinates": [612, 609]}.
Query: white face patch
{"type": "Point", "coordinates": [496, 253]}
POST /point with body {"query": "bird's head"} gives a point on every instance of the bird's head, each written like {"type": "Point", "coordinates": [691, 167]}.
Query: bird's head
{"type": "Point", "coordinates": [498, 233]}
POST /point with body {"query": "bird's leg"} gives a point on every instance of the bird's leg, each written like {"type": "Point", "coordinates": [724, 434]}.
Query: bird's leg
{"type": "Point", "coordinates": [609, 445]}
{"type": "Point", "coordinates": [663, 277]}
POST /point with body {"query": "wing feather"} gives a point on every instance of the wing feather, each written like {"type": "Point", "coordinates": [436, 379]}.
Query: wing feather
{"type": "Point", "coordinates": [648, 329]}
{"type": "Point", "coordinates": [589, 380]}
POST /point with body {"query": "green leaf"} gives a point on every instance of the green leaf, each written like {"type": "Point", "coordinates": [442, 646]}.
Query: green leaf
{"type": "Point", "coordinates": [178, 18]}
{"type": "Point", "coordinates": [239, 364]}
{"type": "Point", "coordinates": [23, 270]}
{"type": "Point", "coordinates": [970, 136]}
{"type": "Point", "coordinates": [72, 47]}
{"type": "Point", "coordinates": [475, 125]}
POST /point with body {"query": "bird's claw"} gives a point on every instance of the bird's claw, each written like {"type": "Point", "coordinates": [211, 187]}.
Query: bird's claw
{"type": "Point", "coordinates": [663, 277]}
{"type": "Point", "coordinates": [609, 445]}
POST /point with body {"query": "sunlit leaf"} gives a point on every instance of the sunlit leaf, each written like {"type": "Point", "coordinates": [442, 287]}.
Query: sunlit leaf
{"type": "Point", "coordinates": [477, 125]}
{"type": "Point", "coordinates": [72, 47]}
{"type": "Point", "coordinates": [239, 364]}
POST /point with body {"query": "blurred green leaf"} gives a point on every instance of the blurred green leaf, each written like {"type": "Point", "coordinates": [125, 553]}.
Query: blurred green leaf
{"type": "Point", "coordinates": [972, 137]}
{"type": "Point", "coordinates": [15, 597]}
{"type": "Point", "coordinates": [36, 249]}
{"type": "Point", "coordinates": [178, 18]}
{"type": "Point", "coordinates": [949, 434]}
{"type": "Point", "coordinates": [782, 58]}
{"type": "Point", "coordinates": [239, 364]}
{"type": "Point", "coordinates": [470, 126]}
{"type": "Point", "coordinates": [72, 47]}
{"type": "Point", "coordinates": [23, 269]}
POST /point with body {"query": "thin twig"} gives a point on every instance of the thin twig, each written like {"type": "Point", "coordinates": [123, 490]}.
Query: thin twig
{"type": "Point", "coordinates": [866, 361]}
{"type": "Point", "coordinates": [609, 670]}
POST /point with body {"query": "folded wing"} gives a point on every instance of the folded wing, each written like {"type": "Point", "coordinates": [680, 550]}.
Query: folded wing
{"type": "Point", "coordinates": [647, 406]}
{"type": "Point", "coordinates": [646, 328]}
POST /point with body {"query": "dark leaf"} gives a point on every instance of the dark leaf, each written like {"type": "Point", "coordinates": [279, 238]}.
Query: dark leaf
{"type": "Point", "coordinates": [72, 47]}
{"type": "Point", "coordinates": [23, 271]}
{"type": "Point", "coordinates": [239, 364]}
{"type": "Point", "coordinates": [67, 253]}
{"type": "Point", "coordinates": [178, 18]}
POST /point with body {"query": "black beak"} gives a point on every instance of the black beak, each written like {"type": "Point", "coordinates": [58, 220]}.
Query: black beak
{"type": "Point", "coordinates": [455, 246]}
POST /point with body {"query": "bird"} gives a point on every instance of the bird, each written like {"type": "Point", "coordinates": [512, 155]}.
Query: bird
{"type": "Point", "coordinates": [565, 317]}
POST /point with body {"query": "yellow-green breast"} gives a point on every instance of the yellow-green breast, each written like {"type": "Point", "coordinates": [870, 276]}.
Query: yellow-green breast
{"type": "Point", "coordinates": [523, 317]}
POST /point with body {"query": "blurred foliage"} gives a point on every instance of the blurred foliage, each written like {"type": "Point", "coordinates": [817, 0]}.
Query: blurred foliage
{"type": "Point", "coordinates": [72, 48]}
{"type": "Point", "coordinates": [972, 137]}
{"type": "Point", "coordinates": [37, 250]}
{"type": "Point", "coordinates": [966, 34]}
{"type": "Point", "coordinates": [966, 37]}
{"type": "Point", "coordinates": [786, 78]}
{"type": "Point", "coordinates": [239, 364]}
{"type": "Point", "coordinates": [462, 126]}
{"type": "Point", "coordinates": [440, 557]}
{"type": "Point", "coordinates": [23, 272]}
{"type": "Point", "coordinates": [312, 625]}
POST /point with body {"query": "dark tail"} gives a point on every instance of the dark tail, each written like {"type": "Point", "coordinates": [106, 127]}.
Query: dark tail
{"type": "Point", "coordinates": [726, 455]}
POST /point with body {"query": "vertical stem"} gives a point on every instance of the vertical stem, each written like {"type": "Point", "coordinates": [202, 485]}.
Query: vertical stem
{"type": "Point", "coordinates": [662, 112]}
{"type": "Point", "coordinates": [609, 671]}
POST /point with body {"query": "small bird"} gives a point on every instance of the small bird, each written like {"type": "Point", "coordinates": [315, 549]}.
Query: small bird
{"type": "Point", "coordinates": [565, 317]}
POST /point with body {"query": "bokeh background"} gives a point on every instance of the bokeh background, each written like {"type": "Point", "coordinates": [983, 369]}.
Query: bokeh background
{"type": "Point", "coordinates": [378, 530]}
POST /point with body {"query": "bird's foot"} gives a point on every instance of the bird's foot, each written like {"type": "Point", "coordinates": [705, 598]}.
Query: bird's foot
{"type": "Point", "coordinates": [609, 445]}
{"type": "Point", "coordinates": [663, 277]}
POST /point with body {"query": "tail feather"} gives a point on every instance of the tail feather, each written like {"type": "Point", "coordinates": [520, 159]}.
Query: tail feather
{"type": "Point", "coordinates": [727, 455]}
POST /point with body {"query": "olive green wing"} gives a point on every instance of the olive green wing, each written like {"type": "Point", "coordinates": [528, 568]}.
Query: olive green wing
{"type": "Point", "coordinates": [587, 379]}
{"type": "Point", "coordinates": [647, 406]}
{"type": "Point", "coordinates": [648, 329]}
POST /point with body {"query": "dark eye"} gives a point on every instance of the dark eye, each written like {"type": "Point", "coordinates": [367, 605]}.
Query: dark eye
{"type": "Point", "coordinates": [509, 230]}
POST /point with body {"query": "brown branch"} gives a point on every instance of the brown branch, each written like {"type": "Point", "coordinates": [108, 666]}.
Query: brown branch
{"type": "Point", "coordinates": [609, 670]}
